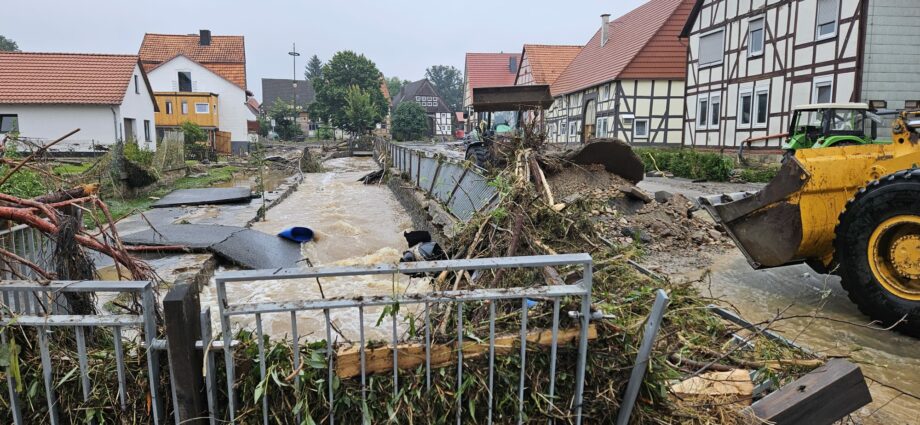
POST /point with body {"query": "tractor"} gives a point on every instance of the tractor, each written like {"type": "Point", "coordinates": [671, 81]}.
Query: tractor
{"type": "Point", "coordinates": [825, 125]}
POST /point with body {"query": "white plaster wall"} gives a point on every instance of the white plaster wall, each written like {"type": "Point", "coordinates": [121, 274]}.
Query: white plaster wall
{"type": "Point", "coordinates": [231, 99]}
{"type": "Point", "coordinates": [139, 106]}
{"type": "Point", "coordinates": [97, 123]}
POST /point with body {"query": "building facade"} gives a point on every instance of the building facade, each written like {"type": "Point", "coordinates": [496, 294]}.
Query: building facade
{"type": "Point", "coordinates": [627, 82]}
{"type": "Point", "coordinates": [750, 63]}
{"type": "Point", "coordinates": [286, 90]}
{"type": "Point", "coordinates": [203, 64]}
{"type": "Point", "coordinates": [440, 119]}
{"type": "Point", "coordinates": [542, 64]}
{"type": "Point", "coordinates": [44, 96]}
{"type": "Point", "coordinates": [486, 70]}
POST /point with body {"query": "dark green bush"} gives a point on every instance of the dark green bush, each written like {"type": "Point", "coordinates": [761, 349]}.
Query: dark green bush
{"type": "Point", "coordinates": [688, 163]}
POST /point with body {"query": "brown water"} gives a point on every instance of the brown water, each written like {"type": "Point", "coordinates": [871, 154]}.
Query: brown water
{"type": "Point", "coordinates": [355, 224]}
{"type": "Point", "coordinates": [886, 357]}
{"type": "Point", "coordinates": [250, 178]}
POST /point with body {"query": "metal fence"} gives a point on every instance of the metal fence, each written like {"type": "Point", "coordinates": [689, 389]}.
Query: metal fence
{"type": "Point", "coordinates": [28, 243]}
{"type": "Point", "coordinates": [41, 314]}
{"type": "Point", "coordinates": [462, 188]}
{"type": "Point", "coordinates": [452, 301]}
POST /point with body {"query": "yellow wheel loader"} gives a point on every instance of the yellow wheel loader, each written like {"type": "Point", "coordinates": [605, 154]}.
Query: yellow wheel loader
{"type": "Point", "coordinates": [852, 211]}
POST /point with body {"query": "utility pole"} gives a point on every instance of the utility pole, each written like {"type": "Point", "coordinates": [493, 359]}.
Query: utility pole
{"type": "Point", "coordinates": [294, 56]}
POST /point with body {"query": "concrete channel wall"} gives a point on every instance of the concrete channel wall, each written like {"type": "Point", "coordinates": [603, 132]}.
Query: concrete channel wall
{"type": "Point", "coordinates": [460, 187]}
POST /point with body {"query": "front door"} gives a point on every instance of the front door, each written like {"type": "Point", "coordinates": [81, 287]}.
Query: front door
{"type": "Point", "coordinates": [130, 132]}
{"type": "Point", "coordinates": [589, 120]}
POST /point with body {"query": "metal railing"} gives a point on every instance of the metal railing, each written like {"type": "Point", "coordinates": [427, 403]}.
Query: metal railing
{"type": "Point", "coordinates": [455, 301]}
{"type": "Point", "coordinates": [462, 188]}
{"type": "Point", "coordinates": [41, 315]}
{"type": "Point", "coordinates": [28, 243]}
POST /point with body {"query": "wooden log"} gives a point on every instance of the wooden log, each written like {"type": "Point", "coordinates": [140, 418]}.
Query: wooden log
{"type": "Point", "coordinates": [411, 355]}
{"type": "Point", "coordinates": [821, 397]}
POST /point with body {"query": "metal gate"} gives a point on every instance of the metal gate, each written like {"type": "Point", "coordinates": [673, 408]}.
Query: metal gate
{"type": "Point", "coordinates": [42, 308]}
{"type": "Point", "coordinates": [28, 243]}
{"type": "Point", "coordinates": [554, 294]}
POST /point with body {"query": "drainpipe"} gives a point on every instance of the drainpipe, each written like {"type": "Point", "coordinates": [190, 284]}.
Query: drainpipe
{"type": "Point", "coordinates": [115, 121]}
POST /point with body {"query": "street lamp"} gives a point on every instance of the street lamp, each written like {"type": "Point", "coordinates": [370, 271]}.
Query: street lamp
{"type": "Point", "coordinates": [294, 56]}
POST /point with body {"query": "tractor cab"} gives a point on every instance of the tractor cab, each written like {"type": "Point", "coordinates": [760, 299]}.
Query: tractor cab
{"type": "Point", "coordinates": [831, 124]}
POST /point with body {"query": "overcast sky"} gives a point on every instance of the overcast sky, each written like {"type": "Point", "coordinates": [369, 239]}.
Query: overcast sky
{"type": "Point", "coordinates": [402, 37]}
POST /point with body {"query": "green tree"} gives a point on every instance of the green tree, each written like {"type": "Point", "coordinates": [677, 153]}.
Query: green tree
{"type": "Point", "coordinates": [285, 116]}
{"type": "Point", "coordinates": [394, 84]}
{"type": "Point", "coordinates": [449, 82]}
{"type": "Point", "coordinates": [314, 68]}
{"type": "Point", "coordinates": [265, 125]}
{"type": "Point", "coordinates": [193, 132]}
{"type": "Point", "coordinates": [410, 122]}
{"type": "Point", "coordinates": [7, 45]}
{"type": "Point", "coordinates": [359, 111]}
{"type": "Point", "coordinates": [344, 70]}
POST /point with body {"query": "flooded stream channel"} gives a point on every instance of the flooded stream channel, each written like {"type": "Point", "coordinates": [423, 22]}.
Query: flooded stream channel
{"type": "Point", "coordinates": [355, 224]}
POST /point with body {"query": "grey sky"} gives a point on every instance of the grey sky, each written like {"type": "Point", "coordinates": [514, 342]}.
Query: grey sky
{"type": "Point", "coordinates": [402, 37]}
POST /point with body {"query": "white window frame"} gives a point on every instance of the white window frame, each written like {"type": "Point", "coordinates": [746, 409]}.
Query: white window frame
{"type": "Point", "coordinates": [599, 124]}
{"type": "Point", "coordinates": [749, 92]}
{"type": "Point", "coordinates": [206, 110]}
{"type": "Point", "coordinates": [825, 81]}
{"type": "Point", "coordinates": [169, 107]}
{"type": "Point", "coordinates": [715, 98]}
{"type": "Point", "coordinates": [605, 92]}
{"type": "Point", "coordinates": [10, 117]}
{"type": "Point", "coordinates": [184, 107]}
{"type": "Point", "coordinates": [699, 49]}
{"type": "Point", "coordinates": [700, 99]}
{"type": "Point", "coordinates": [628, 120]}
{"type": "Point", "coordinates": [572, 131]}
{"type": "Point", "coordinates": [137, 87]}
{"type": "Point", "coordinates": [636, 134]}
{"type": "Point", "coordinates": [832, 34]}
{"type": "Point", "coordinates": [755, 108]}
{"type": "Point", "coordinates": [763, 38]}
{"type": "Point", "coordinates": [147, 130]}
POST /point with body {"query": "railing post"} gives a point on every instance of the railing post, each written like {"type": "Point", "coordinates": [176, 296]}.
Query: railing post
{"type": "Point", "coordinates": [182, 310]}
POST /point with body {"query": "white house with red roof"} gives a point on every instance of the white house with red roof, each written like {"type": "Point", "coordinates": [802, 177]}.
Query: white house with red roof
{"type": "Point", "coordinates": [486, 70]}
{"type": "Point", "coordinates": [202, 63]}
{"type": "Point", "coordinates": [627, 82]}
{"type": "Point", "coordinates": [44, 96]}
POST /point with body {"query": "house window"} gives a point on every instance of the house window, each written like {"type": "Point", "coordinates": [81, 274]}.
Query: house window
{"type": "Point", "coordinates": [184, 108]}
{"type": "Point", "coordinates": [601, 127]}
{"type": "Point", "coordinates": [169, 109]}
{"type": "Point", "coordinates": [605, 92]}
{"type": "Point", "coordinates": [137, 87]}
{"type": "Point", "coordinates": [628, 120]}
{"type": "Point", "coordinates": [185, 81]}
{"type": "Point", "coordinates": [715, 109]}
{"type": "Point", "coordinates": [823, 91]}
{"type": "Point", "coordinates": [640, 129]}
{"type": "Point", "coordinates": [712, 48]}
{"type": "Point", "coordinates": [572, 128]}
{"type": "Point", "coordinates": [761, 107]}
{"type": "Point", "coordinates": [755, 37]}
{"type": "Point", "coordinates": [9, 123]}
{"type": "Point", "coordinates": [745, 106]}
{"type": "Point", "coordinates": [202, 108]}
{"type": "Point", "coordinates": [702, 111]}
{"type": "Point", "coordinates": [826, 25]}
{"type": "Point", "coordinates": [147, 130]}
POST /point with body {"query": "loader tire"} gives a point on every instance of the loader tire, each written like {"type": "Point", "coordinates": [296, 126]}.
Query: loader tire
{"type": "Point", "coordinates": [479, 155]}
{"type": "Point", "coordinates": [876, 248]}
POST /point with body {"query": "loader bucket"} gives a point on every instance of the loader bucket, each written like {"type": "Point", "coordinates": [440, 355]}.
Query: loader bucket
{"type": "Point", "coordinates": [615, 155]}
{"type": "Point", "coordinates": [767, 225]}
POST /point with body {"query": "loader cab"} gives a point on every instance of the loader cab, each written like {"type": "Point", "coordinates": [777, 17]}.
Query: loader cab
{"type": "Point", "coordinates": [831, 124]}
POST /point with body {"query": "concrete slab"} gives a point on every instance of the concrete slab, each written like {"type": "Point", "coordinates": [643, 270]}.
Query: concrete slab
{"type": "Point", "coordinates": [209, 196]}
{"type": "Point", "coordinates": [241, 246]}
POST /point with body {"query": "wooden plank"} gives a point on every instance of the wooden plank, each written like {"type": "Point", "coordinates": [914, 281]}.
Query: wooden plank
{"type": "Point", "coordinates": [821, 397]}
{"type": "Point", "coordinates": [411, 355]}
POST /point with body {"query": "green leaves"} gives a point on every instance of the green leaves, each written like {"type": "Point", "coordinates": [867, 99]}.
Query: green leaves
{"type": "Point", "coordinates": [410, 122]}
{"type": "Point", "coordinates": [344, 70]}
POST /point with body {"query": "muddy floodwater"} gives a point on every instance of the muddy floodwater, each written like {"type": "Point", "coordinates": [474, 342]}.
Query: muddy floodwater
{"type": "Point", "coordinates": [827, 323]}
{"type": "Point", "coordinates": [355, 224]}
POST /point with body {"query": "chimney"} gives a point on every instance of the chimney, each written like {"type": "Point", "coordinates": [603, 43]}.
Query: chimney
{"type": "Point", "coordinates": [204, 38]}
{"type": "Point", "coordinates": [512, 64]}
{"type": "Point", "coordinates": [605, 22]}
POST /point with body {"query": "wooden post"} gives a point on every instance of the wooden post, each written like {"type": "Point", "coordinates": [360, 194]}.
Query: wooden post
{"type": "Point", "coordinates": [181, 310]}
{"type": "Point", "coordinates": [821, 397]}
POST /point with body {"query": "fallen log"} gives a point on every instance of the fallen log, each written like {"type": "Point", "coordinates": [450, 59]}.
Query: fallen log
{"type": "Point", "coordinates": [411, 355]}
{"type": "Point", "coordinates": [80, 191]}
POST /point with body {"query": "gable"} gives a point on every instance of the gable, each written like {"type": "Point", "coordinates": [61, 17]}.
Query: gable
{"type": "Point", "coordinates": [180, 63]}
{"type": "Point", "coordinates": [658, 56]}
{"type": "Point", "coordinates": [225, 55]}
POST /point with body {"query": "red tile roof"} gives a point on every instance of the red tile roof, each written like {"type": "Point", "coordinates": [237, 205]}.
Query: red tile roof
{"type": "Point", "coordinates": [642, 44]}
{"type": "Point", "coordinates": [226, 55]}
{"type": "Point", "coordinates": [548, 61]}
{"type": "Point", "coordinates": [65, 78]}
{"type": "Point", "coordinates": [491, 69]}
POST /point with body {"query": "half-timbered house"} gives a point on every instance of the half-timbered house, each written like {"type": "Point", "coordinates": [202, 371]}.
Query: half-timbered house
{"type": "Point", "coordinates": [542, 64]}
{"type": "Point", "coordinates": [751, 62]}
{"type": "Point", "coordinates": [440, 118]}
{"type": "Point", "coordinates": [628, 81]}
{"type": "Point", "coordinates": [486, 70]}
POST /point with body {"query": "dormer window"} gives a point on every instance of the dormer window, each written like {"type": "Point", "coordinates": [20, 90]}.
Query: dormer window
{"type": "Point", "coordinates": [185, 81]}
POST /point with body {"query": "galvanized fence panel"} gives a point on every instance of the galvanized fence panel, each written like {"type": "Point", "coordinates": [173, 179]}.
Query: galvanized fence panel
{"type": "Point", "coordinates": [28, 243]}
{"type": "Point", "coordinates": [41, 315]}
{"type": "Point", "coordinates": [450, 300]}
{"type": "Point", "coordinates": [462, 188]}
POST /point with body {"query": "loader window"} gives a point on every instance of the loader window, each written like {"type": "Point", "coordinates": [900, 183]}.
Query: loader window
{"type": "Point", "coordinates": [848, 121]}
